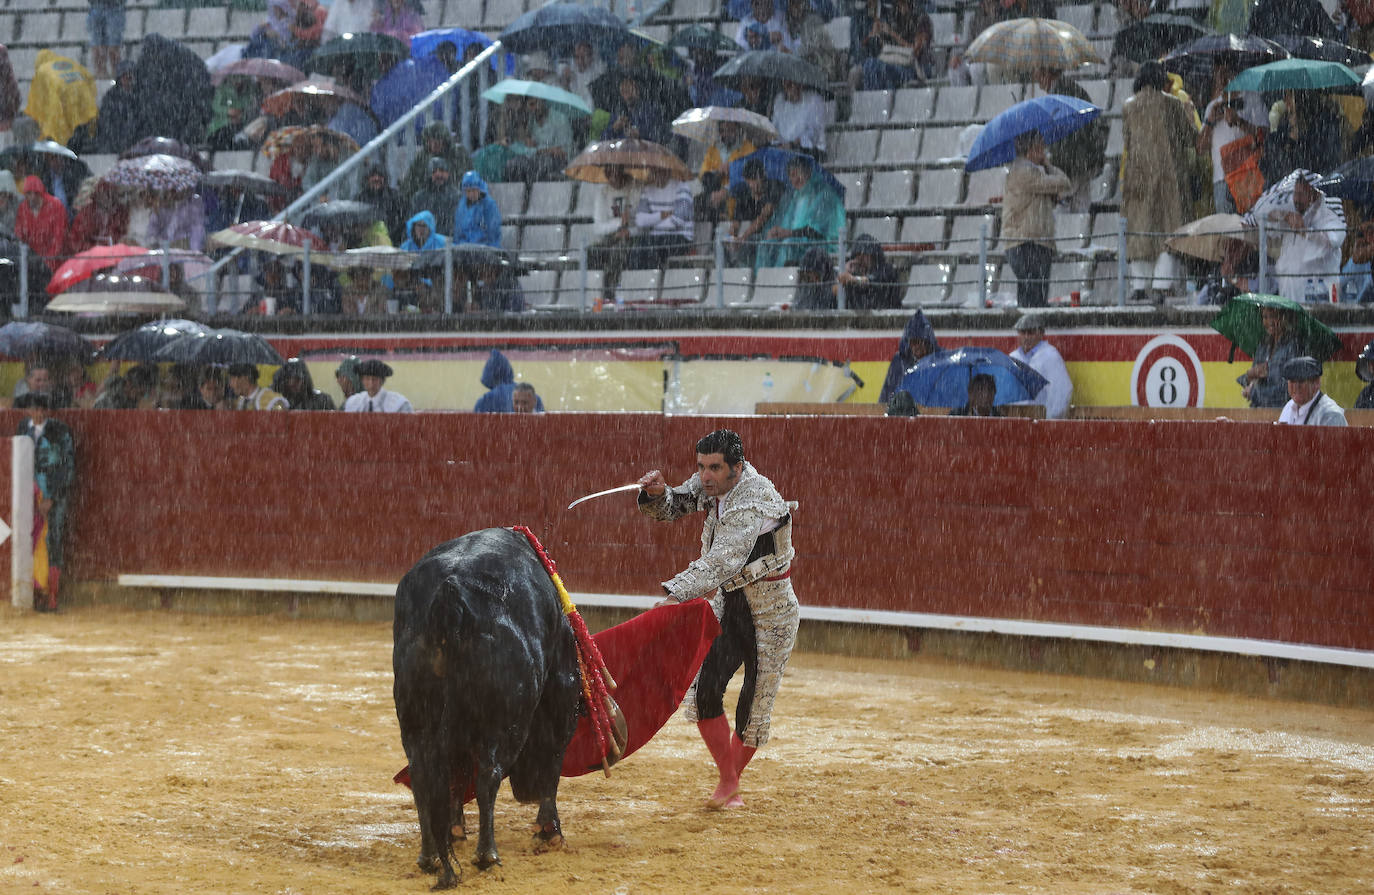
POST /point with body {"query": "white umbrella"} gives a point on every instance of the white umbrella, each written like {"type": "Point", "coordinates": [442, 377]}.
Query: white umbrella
{"type": "Point", "coordinates": [116, 294]}
{"type": "Point", "coordinates": [703, 125]}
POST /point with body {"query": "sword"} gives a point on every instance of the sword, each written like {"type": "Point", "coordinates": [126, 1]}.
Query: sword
{"type": "Point", "coordinates": [631, 487]}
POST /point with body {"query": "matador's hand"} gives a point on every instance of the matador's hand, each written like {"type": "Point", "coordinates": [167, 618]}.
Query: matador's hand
{"type": "Point", "coordinates": [653, 483]}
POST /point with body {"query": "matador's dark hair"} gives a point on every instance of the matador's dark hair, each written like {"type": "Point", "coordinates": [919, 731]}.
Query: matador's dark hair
{"type": "Point", "coordinates": [725, 442]}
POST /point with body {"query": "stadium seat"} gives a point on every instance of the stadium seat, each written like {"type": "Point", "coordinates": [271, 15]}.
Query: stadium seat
{"type": "Point", "coordinates": [940, 188]}
{"type": "Point", "coordinates": [986, 186]}
{"type": "Point", "coordinates": [996, 98]}
{"type": "Point", "coordinates": [1067, 277]}
{"type": "Point", "coordinates": [944, 27]}
{"type": "Point", "coordinates": [99, 162]}
{"type": "Point", "coordinates": [464, 13]}
{"type": "Point", "coordinates": [838, 30]}
{"type": "Point", "coordinates": [883, 229]}
{"type": "Point", "coordinates": [684, 285]}
{"type": "Point", "coordinates": [922, 229]}
{"type": "Point", "coordinates": [1070, 231]}
{"type": "Point", "coordinates": [639, 285]}
{"type": "Point", "coordinates": [167, 22]}
{"type": "Point", "coordinates": [570, 289]}
{"type": "Point", "coordinates": [544, 242]}
{"type": "Point", "coordinates": [510, 197]}
{"type": "Point", "coordinates": [75, 29]}
{"type": "Point", "coordinates": [853, 148]}
{"type": "Point", "coordinates": [580, 235]}
{"type": "Point", "coordinates": [238, 160]}
{"type": "Point", "coordinates": [898, 147]}
{"type": "Point", "coordinates": [206, 22]}
{"type": "Point", "coordinates": [585, 205]}
{"type": "Point", "coordinates": [912, 105]}
{"type": "Point", "coordinates": [695, 10]}
{"type": "Point", "coordinates": [1104, 231]}
{"type": "Point", "coordinates": [553, 199]}
{"type": "Point", "coordinates": [39, 28]}
{"type": "Point", "coordinates": [1116, 139]}
{"type": "Point", "coordinates": [510, 237]}
{"type": "Point", "coordinates": [1103, 283]}
{"type": "Point", "coordinates": [1080, 16]}
{"type": "Point", "coordinates": [773, 285]}
{"type": "Point", "coordinates": [965, 231]}
{"type": "Point", "coordinates": [242, 22]}
{"type": "Point", "coordinates": [870, 107]}
{"type": "Point", "coordinates": [928, 284]}
{"type": "Point", "coordinates": [1107, 23]}
{"type": "Point", "coordinates": [540, 288]}
{"type": "Point", "coordinates": [855, 188]}
{"type": "Point", "coordinates": [892, 189]}
{"type": "Point", "coordinates": [736, 282]}
{"type": "Point", "coordinates": [955, 104]}
{"type": "Point", "coordinates": [1099, 92]}
{"type": "Point", "coordinates": [1122, 88]}
{"type": "Point", "coordinates": [8, 20]}
{"type": "Point", "coordinates": [939, 143]}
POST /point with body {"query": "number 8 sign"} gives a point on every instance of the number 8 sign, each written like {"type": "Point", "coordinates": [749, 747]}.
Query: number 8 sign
{"type": "Point", "coordinates": [1167, 373]}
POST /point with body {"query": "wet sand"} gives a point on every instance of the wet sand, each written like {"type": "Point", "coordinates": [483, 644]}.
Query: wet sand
{"type": "Point", "coordinates": [150, 752]}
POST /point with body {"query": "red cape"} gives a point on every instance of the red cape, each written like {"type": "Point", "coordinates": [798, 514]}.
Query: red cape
{"type": "Point", "coordinates": [653, 658]}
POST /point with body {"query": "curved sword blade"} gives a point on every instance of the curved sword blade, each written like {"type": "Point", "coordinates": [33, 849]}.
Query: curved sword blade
{"type": "Point", "coordinates": [634, 486]}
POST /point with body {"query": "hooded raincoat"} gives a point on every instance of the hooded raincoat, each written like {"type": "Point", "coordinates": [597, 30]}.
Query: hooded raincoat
{"type": "Point", "coordinates": [477, 222]}
{"type": "Point", "coordinates": [43, 230]}
{"type": "Point", "coordinates": [881, 287]}
{"type": "Point", "coordinates": [918, 327]}
{"type": "Point", "coordinates": [499, 377]}
{"type": "Point", "coordinates": [813, 214]}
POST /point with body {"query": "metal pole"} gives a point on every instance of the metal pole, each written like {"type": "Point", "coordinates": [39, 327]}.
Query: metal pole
{"type": "Point", "coordinates": [448, 278]}
{"type": "Point", "coordinates": [1263, 257]}
{"type": "Point", "coordinates": [983, 263]}
{"type": "Point", "coordinates": [840, 297]}
{"type": "Point", "coordinates": [582, 268]}
{"type": "Point", "coordinates": [1121, 261]}
{"type": "Point", "coordinates": [305, 282]}
{"type": "Point", "coordinates": [23, 280]}
{"type": "Point", "coordinates": [720, 269]}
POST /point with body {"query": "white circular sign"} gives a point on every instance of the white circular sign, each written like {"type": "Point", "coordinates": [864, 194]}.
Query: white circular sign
{"type": "Point", "coordinates": [1167, 373]}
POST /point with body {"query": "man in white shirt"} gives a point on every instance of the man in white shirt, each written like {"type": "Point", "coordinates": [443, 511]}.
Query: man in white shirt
{"type": "Point", "coordinates": [765, 13]}
{"type": "Point", "coordinates": [1307, 405]}
{"type": "Point", "coordinates": [1227, 118]}
{"type": "Point", "coordinates": [373, 398]}
{"type": "Point", "coordinates": [1044, 358]}
{"type": "Point", "coordinates": [1311, 236]}
{"type": "Point", "coordinates": [577, 74]}
{"type": "Point", "coordinates": [243, 382]}
{"type": "Point", "coordinates": [799, 115]}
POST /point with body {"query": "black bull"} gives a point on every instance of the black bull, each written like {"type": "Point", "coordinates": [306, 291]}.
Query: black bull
{"type": "Point", "coordinates": [487, 687]}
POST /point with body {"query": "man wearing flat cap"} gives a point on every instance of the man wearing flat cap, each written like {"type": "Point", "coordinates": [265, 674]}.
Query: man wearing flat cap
{"type": "Point", "coordinates": [1307, 404]}
{"type": "Point", "coordinates": [439, 197]}
{"type": "Point", "coordinates": [243, 382]}
{"type": "Point", "coordinates": [1044, 358]}
{"type": "Point", "coordinates": [373, 398]}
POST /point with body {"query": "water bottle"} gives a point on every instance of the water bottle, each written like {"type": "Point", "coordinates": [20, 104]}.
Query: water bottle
{"type": "Point", "coordinates": [767, 386]}
{"type": "Point", "coordinates": [1309, 294]}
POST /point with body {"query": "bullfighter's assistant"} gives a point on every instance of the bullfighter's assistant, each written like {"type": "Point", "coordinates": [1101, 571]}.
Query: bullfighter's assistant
{"type": "Point", "coordinates": [745, 567]}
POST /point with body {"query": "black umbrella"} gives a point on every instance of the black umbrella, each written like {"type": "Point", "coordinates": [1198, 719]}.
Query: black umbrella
{"type": "Point", "coordinates": [1155, 35]}
{"type": "Point", "coordinates": [701, 37]}
{"type": "Point", "coordinates": [166, 146]}
{"type": "Point", "coordinates": [1194, 60]}
{"type": "Point", "coordinates": [771, 65]}
{"type": "Point", "coordinates": [365, 54]}
{"type": "Point", "coordinates": [247, 181]}
{"type": "Point", "coordinates": [32, 339]}
{"type": "Point", "coordinates": [1322, 49]}
{"type": "Point", "coordinates": [143, 342]}
{"type": "Point", "coordinates": [472, 257]}
{"type": "Point", "coordinates": [219, 346]}
{"type": "Point", "coordinates": [338, 216]}
{"type": "Point", "coordinates": [605, 89]}
{"type": "Point", "coordinates": [560, 25]}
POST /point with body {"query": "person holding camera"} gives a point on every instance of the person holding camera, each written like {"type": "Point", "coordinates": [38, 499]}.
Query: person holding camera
{"type": "Point", "coordinates": [1229, 117]}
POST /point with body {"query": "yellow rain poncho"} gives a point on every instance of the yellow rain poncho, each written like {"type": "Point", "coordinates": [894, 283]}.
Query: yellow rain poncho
{"type": "Point", "coordinates": [62, 96]}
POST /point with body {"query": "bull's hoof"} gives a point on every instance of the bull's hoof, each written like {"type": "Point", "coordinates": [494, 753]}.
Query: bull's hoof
{"type": "Point", "coordinates": [447, 880]}
{"type": "Point", "coordinates": [543, 843]}
{"type": "Point", "coordinates": [482, 861]}
{"type": "Point", "coordinates": [459, 833]}
{"type": "Point", "coordinates": [428, 863]}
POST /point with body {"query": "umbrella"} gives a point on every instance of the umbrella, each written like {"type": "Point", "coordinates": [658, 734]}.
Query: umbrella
{"type": "Point", "coordinates": [316, 91]}
{"type": "Point", "coordinates": [51, 147]}
{"type": "Point", "coordinates": [275, 237]}
{"type": "Point", "coordinates": [1205, 237]}
{"type": "Point", "coordinates": [282, 138]}
{"type": "Point", "coordinates": [562, 25]}
{"type": "Point", "coordinates": [702, 37]}
{"type": "Point", "coordinates": [26, 340]}
{"type": "Point", "coordinates": [1303, 46]}
{"type": "Point", "coordinates": [570, 101]}
{"type": "Point", "coordinates": [155, 173]}
{"type": "Point", "coordinates": [426, 42]}
{"type": "Point", "coordinates": [141, 343]}
{"type": "Point", "coordinates": [338, 215]}
{"type": "Point", "coordinates": [219, 346]}
{"type": "Point", "coordinates": [362, 52]}
{"type": "Point", "coordinates": [775, 160]}
{"type": "Point", "coordinates": [670, 94]}
{"type": "Point", "coordinates": [166, 146]}
{"type": "Point", "coordinates": [116, 294]}
{"type": "Point", "coordinates": [1024, 45]}
{"type": "Point", "coordinates": [1240, 321]}
{"type": "Point", "coordinates": [381, 258]}
{"type": "Point", "coordinates": [1155, 35]}
{"type": "Point", "coordinates": [87, 264]}
{"type": "Point", "coordinates": [1295, 74]}
{"type": "Point", "coordinates": [472, 256]}
{"type": "Point", "coordinates": [193, 264]}
{"type": "Point", "coordinates": [1194, 60]}
{"type": "Point", "coordinates": [248, 181]}
{"type": "Point", "coordinates": [1054, 116]}
{"type": "Point", "coordinates": [638, 156]}
{"type": "Point", "coordinates": [771, 65]}
{"type": "Point", "coordinates": [273, 69]}
{"type": "Point", "coordinates": [402, 88]}
{"type": "Point", "coordinates": [941, 379]}
{"type": "Point", "coordinates": [703, 125]}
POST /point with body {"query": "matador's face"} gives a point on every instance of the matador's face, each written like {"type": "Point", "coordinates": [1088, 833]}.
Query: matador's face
{"type": "Point", "coordinates": [717, 476]}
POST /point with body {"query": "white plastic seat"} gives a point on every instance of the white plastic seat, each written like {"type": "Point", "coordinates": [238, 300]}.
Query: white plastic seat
{"type": "Point", "coordinates": [545, 241]}
{"type": "Point", "coordinates": [838, 30]}
{"type": "Point", "coordinates": [510, 198]}
{"type": "Point", "coordinates": [580, 236]}
{"type": "Point", "coordinates": [1099, 92]}
{"type": "Point", "coordinates": [540, 288]}
{"type": "Point", "coordinates": [1071, 230]}
{"type": "Point", "coordinates": [242, 22]}
{"type": "Point", "coordinates": [994, 99]}
{"type": "Point", "coordinates": [891, 189]}
{"type": "Point", "coordinates": [922, 229]}
{"type": "Point", "coordinates": [1116, 138]}
{"type": "Point", "coordinates": [737, 283]}
{"type": "Point", "coordinates": [639, 285]}
{"type": "Point", "coordinates": [464, 13]}
{"type": "Point", "coordinates": [206, 22]}
{"type": "Point", "coordinates": [570, 288]}
{"type": "Point", "coordinates": [870, 107]}
{"type": "Point", "coordinates": [965, 232]}
{"type": "Point", "coordinates": [684, 285]}
{"type": "Point", "coordinates": [773, 285]}
{"type": "Point", "coordinates": [939, 143]}
{"type": "Point", "coordinates": [955, 104]}
{"type": "Point", "coordinates": [553, 199]}
{"type": "Point", "coordinates": [943, 27]}
{"type": "Point", "coordinates": [912, 105]}
{"type": "Point", "coordinates": [898, 147]}
{"type": "Point", "coordinates": [40, 28]}
{"type": "Point", "coordinates": [928, 284]}
{"type": "Point", "coordinates": [985, 186]}
{"type": "Point", "coordinates": [1067, 277]}
{"type": "Point", "coordinates": [940, 188]}
{"type": "Point", "coordinates": [883, 229]}
{"type": "Point", "coordinates": [855, 188]}
{"type": "Point", "coordinates": [100, 162]}
{"type": "Point", "coordinates": [170, 23]}
{"type": "Point", "coordinates": [853, 147]}
{"type": "Point", "coordinates": [1080, 16]}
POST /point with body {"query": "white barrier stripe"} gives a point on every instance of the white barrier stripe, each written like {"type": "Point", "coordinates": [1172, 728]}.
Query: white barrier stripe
{"type": "Point", "coordinates": [1240, 646]}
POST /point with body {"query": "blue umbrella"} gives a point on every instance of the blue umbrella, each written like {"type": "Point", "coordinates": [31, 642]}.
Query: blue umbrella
{"type": "Point", "coordinates": [404, 86]}
{"type": "Point", "coordinates": [941, 379]}
{"type": "Point", "coordinates": [426, 42]}
{"type": "Point", "coordinates": [1054, 116]}
{"type": "Point", "coordinates": [775, 161]}
{"type": "Point", "coordinates": [564, 24]}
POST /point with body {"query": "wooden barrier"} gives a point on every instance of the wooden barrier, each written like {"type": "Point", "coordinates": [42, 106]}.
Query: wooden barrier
{"type": "Point", "coordinates": [800, 408]}
{"type": "Point", "coordinates": [1236, 531]}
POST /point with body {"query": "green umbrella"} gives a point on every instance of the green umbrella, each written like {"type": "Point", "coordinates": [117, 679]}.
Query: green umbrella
{"type": "Point", "coordinates": [498, 92]}
{"type": "Point", "coordinates": [1240, 322]}
{"type": "Point", "coordinates": [700, 37]}
{"type": "Point", "coordinates": [364, 53]}
{"type": "Point", "coordinates": [1295, 74]}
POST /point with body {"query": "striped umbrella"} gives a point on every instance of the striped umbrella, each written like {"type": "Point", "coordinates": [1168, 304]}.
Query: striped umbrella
{"type": "Point", "coordinates": [276, 237]}
{"type": "Point", "coordinates": [1024, 45]}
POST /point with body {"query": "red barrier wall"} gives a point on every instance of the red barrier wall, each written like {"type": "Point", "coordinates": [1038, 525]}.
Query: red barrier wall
{"type": "Point", "coordinates": [1225, 529]}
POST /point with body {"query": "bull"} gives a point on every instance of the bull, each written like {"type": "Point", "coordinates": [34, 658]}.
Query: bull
{"type": "Point", "coordinates": [487, 687]}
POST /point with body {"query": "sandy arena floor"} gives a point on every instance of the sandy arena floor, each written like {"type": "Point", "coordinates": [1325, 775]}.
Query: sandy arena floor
{"type": "Point", "coordinates": [146, 752]}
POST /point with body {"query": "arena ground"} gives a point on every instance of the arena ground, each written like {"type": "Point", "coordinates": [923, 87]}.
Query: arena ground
{"type": "Point", "coordinates": [161, 752]}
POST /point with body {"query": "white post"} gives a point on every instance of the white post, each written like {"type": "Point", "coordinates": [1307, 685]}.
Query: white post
{"type": "Point", "coordinates": [21, 512]}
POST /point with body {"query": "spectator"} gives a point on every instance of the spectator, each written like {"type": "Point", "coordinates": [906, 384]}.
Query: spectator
{"type": "Point", "coordinates": [578, 73]}
{"type": "Point", "coordinates": [635, 114]}
{"type": "Point", "coordinates": [804, 36]}
{"type": "Point", "coordinates": [756, 201]}
{"type": "Point", "coordinates": [135, 390]}
{"type": "Point", "coordinates": [62, 179]}
{"type": "Point", "coordinates": [918, 340]}
{"type": "Point", "coordinates": [551, 136]}
{"type": "Point", "coordinates": [982, 391]}
{"type": "Point", "coordinates": [437, 141]}
{"type": "Point", "coordinates": [421, 237]}
{"type": "Point", "coordinates": [663, 219]}
{"type": "Point", "coordinates": [174, 91]}
{"type": "Point", "coordinates": [214, 389]}
{"type": "Point", "coordinates": [348, 17]}
{"type": "Point", "coordinates": [613, 226]}
{"type": "Point", "coordinates": [1311, 234]}
{"type": "Point", "coordinates": [72, 388]}
{"type": "Point", "coordinates": [355, 121]}
{"type": "Point", "coordinates": [1079, 155]}
{"type": "Point", "coordinates": [1263, 385]}
{"type": "Point", "coordinates": [62, 99]}
{"type": "Point", "coordinates": [525, 399]}
{"type": "Point", "coordinates": [106, 25]}
{"type": "Point", "coordinates": [1307, 404]}
{"type": "Point", "coordinates": [754, 97]}
{"type": "Point", "coordinates": [702, 88]}
{"type": "Point", "coordinates": [1357, 276]}
{"type": "Point", "coordinates": [54, 472]}
{"type": "Point", "coordinates": [756, 36]}
{"type": "Point", "coordinates": [498, 377]}
{"type": "Point", "coordinates": [899, 49]}
{"type": "Point", "coordinates": [119, 119]}
{"type": "Point", "coordinates": [11, 101]}
{"type": "Point", "coordinates": [439, 197]}
{"type": "Point", "coordinates": [376, 192]}
{"type": "Point", "coordinates": [1044, 358]}
{"type": "Point", "coordinates": [243, 382]}
{"type": "Point", "coordinates": [347, 378]}
{"type": "Point", "coordinates": [181, 389]}
{"type": "Point", "coordinates": [1307, 131]}
{"type": "Point", "coordinates": [870, 282]}
{"type": "Point", "coordinates": [290, 33]}
{"type": "Point", "coordinates": [536, 66]}
{"type": "Point", "coordinates": [1227, 118]}
{"type": "Point", "coordinates": [810, 213]}
{"type": "Point", "coordinates": [10, 197]}
{"type": "Point", "coordinates": [476, 219]}
{"type": "Point", "coordinates": [495, 286]}
{"type": "Point", "coordinates": [37, 380]}
{"type": "Point", "coordinates": [1033, 186]}
{"type": "Point", "coordinates": [815, 281]}
{"type": "Point", "coordinates": [1364, 369]}
{"type": "Point", "coordinates": [294, 383]}
{"type": "Point", "coordinates": [177, 221]}
{"type": "Point", "coordinates": [713, 200]}
{"type": "Point", "coordinates": [1157, 129]}
{"type": "Point", "coordinates": [767, 16]}
{"type": "Point", "coordinates": [800, 117]}
{"type": "Point", "coordinates": [374, 398]}
{"type": "Point", "coordinates": [41, 222]}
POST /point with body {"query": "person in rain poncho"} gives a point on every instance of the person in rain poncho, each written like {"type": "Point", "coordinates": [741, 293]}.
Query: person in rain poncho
{"type": "Point", "coordinates": [1044, 358]}
{"type": "Point", "coordinates": [175, 96]}
{"type": "Point", "coordinates": [54, 473]}
{"type": "Point", "coordinates": [918, 340]}
{"type": "Point", "coordinates": [476, 219]}
{"type": "Point", "coordinates": [870, 281]}
{"type": "Point", "coordinates": [61, 97]}
{"type": "Point", "coordinates": [41, 221]}
{"type": "Point", "coordinates": [498, 377]}
{"type": "Point", "coordinates": [421, 236]}
{"type": "Point", "coordinates": [745, 571]}
{"type": "Point", "coordinates": [811, 213]}
{"type": "Point", "coordinates": [1311, 232]}
{"type": "Point", "coordinates": [293, 382]}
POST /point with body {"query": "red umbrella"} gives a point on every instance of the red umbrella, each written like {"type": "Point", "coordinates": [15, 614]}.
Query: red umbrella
{"type": "Point", "coordinates": [260, 68]}
{"type": "Point", "coordinates": [277, 237]}
{"type": "Point", "coordinates": [88, 264]}
{"type": "Point", "coordinates": [318, 90]}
